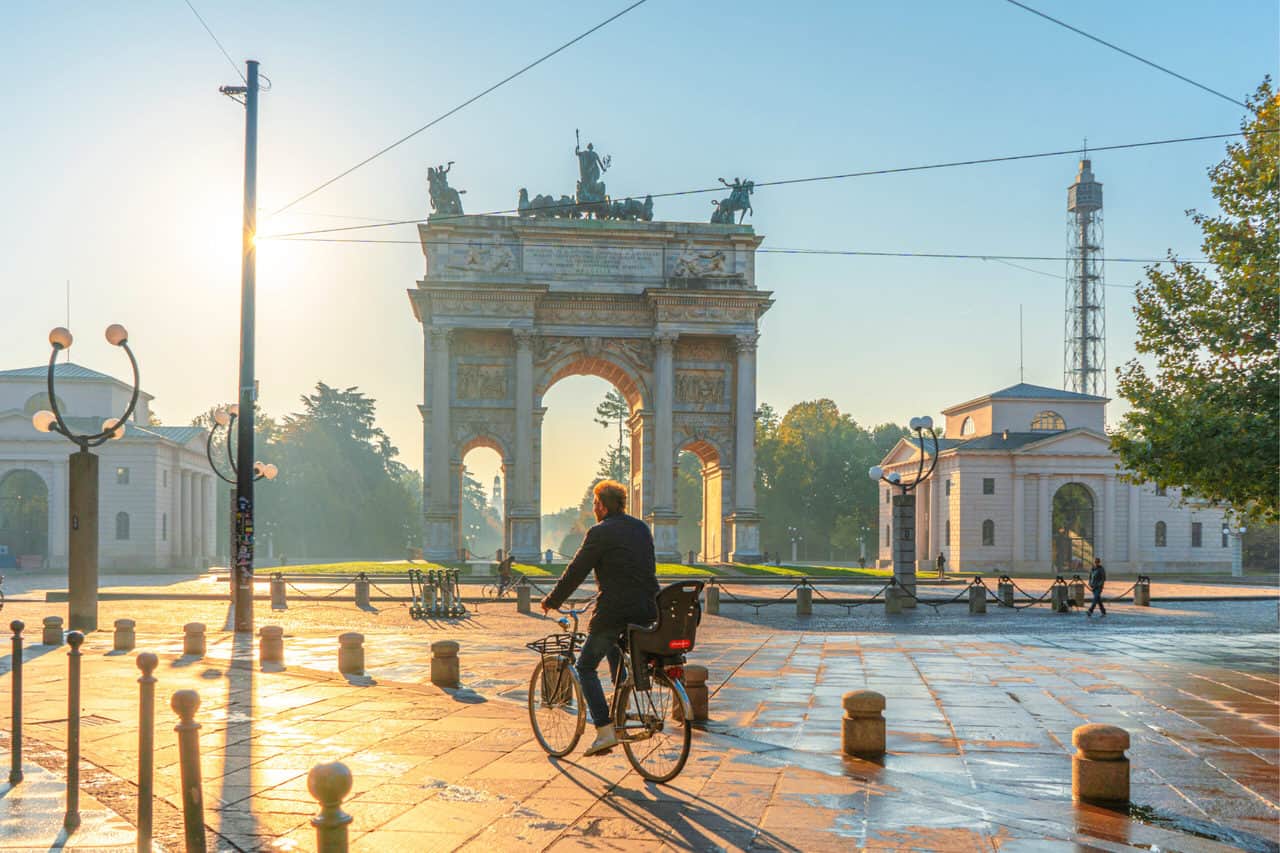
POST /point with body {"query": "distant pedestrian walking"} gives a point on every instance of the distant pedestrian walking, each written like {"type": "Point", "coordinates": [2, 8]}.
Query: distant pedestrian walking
{"type": "Point", "coordinates": [1097, 579]}
{"type": "Point", "coordinates": [942, 565]}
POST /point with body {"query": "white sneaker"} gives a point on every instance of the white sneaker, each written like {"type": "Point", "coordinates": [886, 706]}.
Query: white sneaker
{"type": "Point", "coordinates": [606, 739]}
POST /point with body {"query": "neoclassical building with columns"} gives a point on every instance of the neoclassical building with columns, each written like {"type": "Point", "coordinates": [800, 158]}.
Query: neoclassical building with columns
{"type": "Point", "coordinates": [1026, 481]}
{"type": "Point", "coordinates": [667, 312]}
{"type": "Point", "coordinates": [156, 493]}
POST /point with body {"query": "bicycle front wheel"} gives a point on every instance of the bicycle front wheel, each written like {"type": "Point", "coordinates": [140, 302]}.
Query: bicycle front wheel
{"type": "Point", "coordinates": [556, 711]}
{"type": "Point", "coordinates": [652, 730]}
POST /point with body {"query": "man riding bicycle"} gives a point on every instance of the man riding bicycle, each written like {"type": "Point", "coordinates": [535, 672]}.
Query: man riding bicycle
{"type": "Point", "coordinates": [620, 550]}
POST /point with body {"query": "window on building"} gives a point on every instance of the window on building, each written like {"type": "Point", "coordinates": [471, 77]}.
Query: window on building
{"type": "Point", "coordinates": [1162, 534]}
{"type": "Point", "coordinates": [886, 495]}
{"type": "Point", "coordinates": [122, 526]}
{"type": "Point", "coordinates": [165, 478]}
{"type": "Point", "coordinates": [948, 489]}
{"type": "Point", "coordinates": [946, 536]}
{"type": "Point", "coordinates": [164, 527]}
{"type": "Point", "coordinates": [122, 476]}
{"type": "Point", "coordinates": [1197, 534]}
{"type": "Point", "coordinates": [988, 485]}
{"type": "Point", "coordinates": [988, 532]}
{"type": "Point", "coordinates": [1048, 421]}
{"type": "Point", "coordinates": [888, 537]}
{"type": "Point", "coordinates": [1162, 491]}
{"type": "Point", "coordinates": [968, 427]}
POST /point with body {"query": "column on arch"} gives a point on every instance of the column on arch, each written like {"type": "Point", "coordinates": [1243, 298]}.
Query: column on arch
{"type": "Point", "coordinates": [663, 518]}
{"type": "Point", "coordinates": [442, 511]}
{"type": "Point", "coordinates": [745, 520]}
{"type": "Point", "coordinates": [524, 523]}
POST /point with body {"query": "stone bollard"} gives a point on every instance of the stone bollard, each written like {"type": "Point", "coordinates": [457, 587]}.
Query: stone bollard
{"type": "Point", "coordinates": [1099, 769]}
{"type": "Point", "coordinates": [185, 703]}
{"type": "Point", "coordinates": [362, 591]}
{"type": "Point", "coordinates": [1076, 588]}
{"type": "Point", "coordinates": [863, 725]}
{"type": "Point", "coordinates": [72, 818]}
{"type": "Point", "coordinates": [351, 653]}
{"type": "Point", "coordinates": [977, 599]}
{"type": "Point", "coordinates": [1004, 590]}
{"type": "Point", "coordinates": [713, 600]}
{"type": "Point", "coordinates": [1142, 591]}
{"type": "Point", "coordinates": [124, 639]}
{"type": "Point", "coordinates": [695, 684]}
{"type": "Point", "coordinates": [330, 784]}
{"type": "Point", "coordinates": [444, 663]}
{"type": "Point", "coordinates": [270, 645]}
{"type": "Point", "coordinates": [52, 635]}
{"type": "Point", "coordinates": [804, 601]}
{"type": "Point", "coordinates": [892, 601]}
{"type": "Point", "coordinates": [524, 603]}
{"type": "Point", "coordinates": [15, 704]}
{"type": "Point", "coordinates": [1058, 598]}
{"type": "Point", "coordinates": [147, 663]}
{"type": "Point", "coordinates": [278, 598]}
{"type": "Point", "coordinates": [193, 639]}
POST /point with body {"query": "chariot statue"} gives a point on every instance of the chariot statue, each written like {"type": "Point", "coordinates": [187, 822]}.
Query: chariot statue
{"type": "Point", "coordinates": [739, 200]}
{"type": "Point", "coordinates": [444, 198]}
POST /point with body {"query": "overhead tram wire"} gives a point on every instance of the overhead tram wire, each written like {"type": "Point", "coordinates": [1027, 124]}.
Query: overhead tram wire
{"type": "Point", "coordinates": [462, 105]}
{"type": "Point", "coordinates": [215, 41]}
{"type": "Point", "coordinates": [1074, 150]}
{"type": "Point", "coordinates": [1130, 54]}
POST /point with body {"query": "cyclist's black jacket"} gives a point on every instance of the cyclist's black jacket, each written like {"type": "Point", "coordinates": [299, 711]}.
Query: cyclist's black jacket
{"type": "Point", "coordinates": [620, 549]}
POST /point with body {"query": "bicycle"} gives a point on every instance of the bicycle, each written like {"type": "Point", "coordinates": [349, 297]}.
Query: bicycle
{"type": "Point", "coordinates": [649, 706]}
{"type": "Point", "coordinates": [503, 587]}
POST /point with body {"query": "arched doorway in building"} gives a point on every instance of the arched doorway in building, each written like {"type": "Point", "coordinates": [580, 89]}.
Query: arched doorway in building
{"type": "Point", "coordinates": [1073, 527]}
{"type": "Point", "coordinates": [24, 514]}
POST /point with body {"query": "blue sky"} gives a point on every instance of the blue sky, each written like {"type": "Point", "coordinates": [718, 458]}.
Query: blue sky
{"type": "Point", "coordinates": [122, 172]}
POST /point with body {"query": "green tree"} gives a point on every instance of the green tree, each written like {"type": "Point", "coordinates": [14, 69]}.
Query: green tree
{"type": "Point", "coordinates": [616, 464]}
{"type": "Point", "coordinates": [1207, 419]}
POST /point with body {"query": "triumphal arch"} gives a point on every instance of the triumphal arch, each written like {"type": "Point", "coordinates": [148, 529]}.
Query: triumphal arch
{"type": "Point", "coordinates": [667, 312]}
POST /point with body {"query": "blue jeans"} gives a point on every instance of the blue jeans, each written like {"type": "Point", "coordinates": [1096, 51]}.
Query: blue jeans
{"type": "Point", "coordinates": [599, 645]}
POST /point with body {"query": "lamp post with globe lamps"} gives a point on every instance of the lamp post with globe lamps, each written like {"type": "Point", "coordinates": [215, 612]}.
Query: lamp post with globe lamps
{"type": "Point", "coordinates": [904, 507]}
{"type": "Point", "coordinates": [1235, 536]}
{"type": "Point", "coordinates": [241, 579]}
{"type": "Point", "coordinates": [82, 536]}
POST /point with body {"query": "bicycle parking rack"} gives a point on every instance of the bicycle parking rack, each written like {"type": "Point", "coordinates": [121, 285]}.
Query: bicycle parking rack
{"type": "Point", "coordinates": [435, 593]}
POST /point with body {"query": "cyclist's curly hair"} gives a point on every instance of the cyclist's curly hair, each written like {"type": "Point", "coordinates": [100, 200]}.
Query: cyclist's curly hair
{"type": "Point", "coordinates": [612, 494]}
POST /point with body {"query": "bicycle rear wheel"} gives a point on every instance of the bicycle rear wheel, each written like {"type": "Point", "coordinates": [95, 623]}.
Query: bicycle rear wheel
{"type": "Point", "coordinates": [656, 741]}
{"type": "Point", "coordinates": [556, 711]}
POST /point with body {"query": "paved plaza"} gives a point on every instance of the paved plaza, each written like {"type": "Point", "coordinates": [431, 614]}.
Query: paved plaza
{"type": "Point", "coordinates": [979, 714]}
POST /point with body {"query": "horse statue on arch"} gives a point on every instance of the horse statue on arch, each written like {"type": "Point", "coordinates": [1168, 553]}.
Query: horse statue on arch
{"type": "Point", "coordinates": [739, 200]}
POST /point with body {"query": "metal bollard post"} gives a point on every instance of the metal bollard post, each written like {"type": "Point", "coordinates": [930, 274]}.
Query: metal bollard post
{"type": "Point", "coordinates": [362, 591]}
{"type": "Point", "coordinates": [713, 599]}
{"type": "Point", "coordinates": [193, 639]}
{"type": "Point", "coordinates": [279, 601]}
{"type": "Point", "coordinates": [270, 644]}
{"type": "Point", "coordinates": [524, 603]}
{"type": "Point", "coordinates": [1099, 769]}
{"type": "Point", "coordinates": [72, 819]}
{"type": "Point", "coordinates": [124, 638]}
{"type": "Point", "coordinates": [695, 685]}
{"type": "Point", "coordinates": [444, 664]}
{"type": "Point", "coordinates": [1005, 592]}
{"type": "Point", "coordinates": [52, 635]}
{"type": "Point", "coordinates": [147, 662]}
{"type": "Point", "coordinates": [892, 600]}
{"type": "Point", "coordinates": [185, 703]}
{"type": "Point", "coordinates": [351, 653]}
{"type": "Point", "coordinates": [1076, 591]}
{"type": "Point", "coordinates": [15, 733]}
{"type": "Point", "coordinates": [330, 784]}
{"type": "Point", "coordinates": [1142, 591]}
{"type": "Point", "coordinates": [977, 599]}
{"type": "Point", "coordinates": [862, 730]}
{"type": "Point", "coordinates": [1058, 597]}
{"type": "Point", "coordinates": [804, 600]}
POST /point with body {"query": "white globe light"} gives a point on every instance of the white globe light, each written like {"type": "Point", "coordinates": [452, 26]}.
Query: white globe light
{"type": "Point", "coordinates": [221, 418]}
{"type": "Point", "coordinates": [926, 423]}
{"type": "Point", "coordinates": [895, 477]}
{"type": "Point", "coordinates": [116, 334]}
{"type": "Point", "coordinates": [915, 425]}
{"type": "Point", "coordinates": [234, 409]}
{"type": "Point", "coordinates": [43, 420]}
{"type": "Point", "coordinates": [270, 471]}
{"type": "Point", "coordinates": [116, 428]}
{"type": "Point", "coordinates": [875, 472]}
{"type": "Point", "coordinates": [257, 468]}
{"type": "Point", "coordinates": [60, 337]}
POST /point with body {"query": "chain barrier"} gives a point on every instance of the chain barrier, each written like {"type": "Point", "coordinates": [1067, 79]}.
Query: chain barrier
{"type": "Point", "coordinates": [324, 597]}
{"type": "Point", "coordinates": [850, 605]}
{"type": "Point", "coordinates": [1119, 597]}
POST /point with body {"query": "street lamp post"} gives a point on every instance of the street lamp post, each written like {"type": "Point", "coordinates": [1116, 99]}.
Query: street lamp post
{"type": "Point", "coordinates": [904, 506]}
{"type": "Point", "coordinates": [226, 418]}
{"type": "Point", "coordinates": [82, 537]}
{"type": "Point", "coordinates": [1236, 540]}
{"type": "Point", "coordinates": [794, 533]}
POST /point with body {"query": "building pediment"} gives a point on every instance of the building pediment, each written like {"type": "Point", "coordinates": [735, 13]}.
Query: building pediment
{"type": "Point", "coordinates": [1075, 441]}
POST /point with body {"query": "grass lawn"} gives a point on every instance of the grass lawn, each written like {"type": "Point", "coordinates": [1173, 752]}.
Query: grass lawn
{"type": "Point", "coordinates": [554, 570]}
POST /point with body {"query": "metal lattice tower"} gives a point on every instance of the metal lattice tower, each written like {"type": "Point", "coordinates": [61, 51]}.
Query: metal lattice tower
{"type": "Point", "coordinates": [1085, 342]}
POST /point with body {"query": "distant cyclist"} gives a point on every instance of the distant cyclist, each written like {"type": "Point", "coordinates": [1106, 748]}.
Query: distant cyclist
{"type": "Point", "coordinates": [620, 550]}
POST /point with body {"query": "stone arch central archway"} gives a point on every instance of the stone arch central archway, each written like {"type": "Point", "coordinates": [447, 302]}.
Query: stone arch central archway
{"type": "Point", "coordinates": [510, 307]}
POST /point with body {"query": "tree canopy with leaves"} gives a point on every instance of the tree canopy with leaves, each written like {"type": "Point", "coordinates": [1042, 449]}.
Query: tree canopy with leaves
{"type": "Point", "coordinates": [1206, 418]}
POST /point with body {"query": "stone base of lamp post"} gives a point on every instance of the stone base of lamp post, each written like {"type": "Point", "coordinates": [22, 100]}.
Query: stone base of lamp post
{"type": "Point", "coordinates": [664, 524]}
{"type": "Point", "coordinates": [904, 545]}
{"type": "Point", "coordinates": [440, 529]}
{"type": "Point", "coordinates": [82, 574]}
{"type": "Point", "coordinates": [745, 528]}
